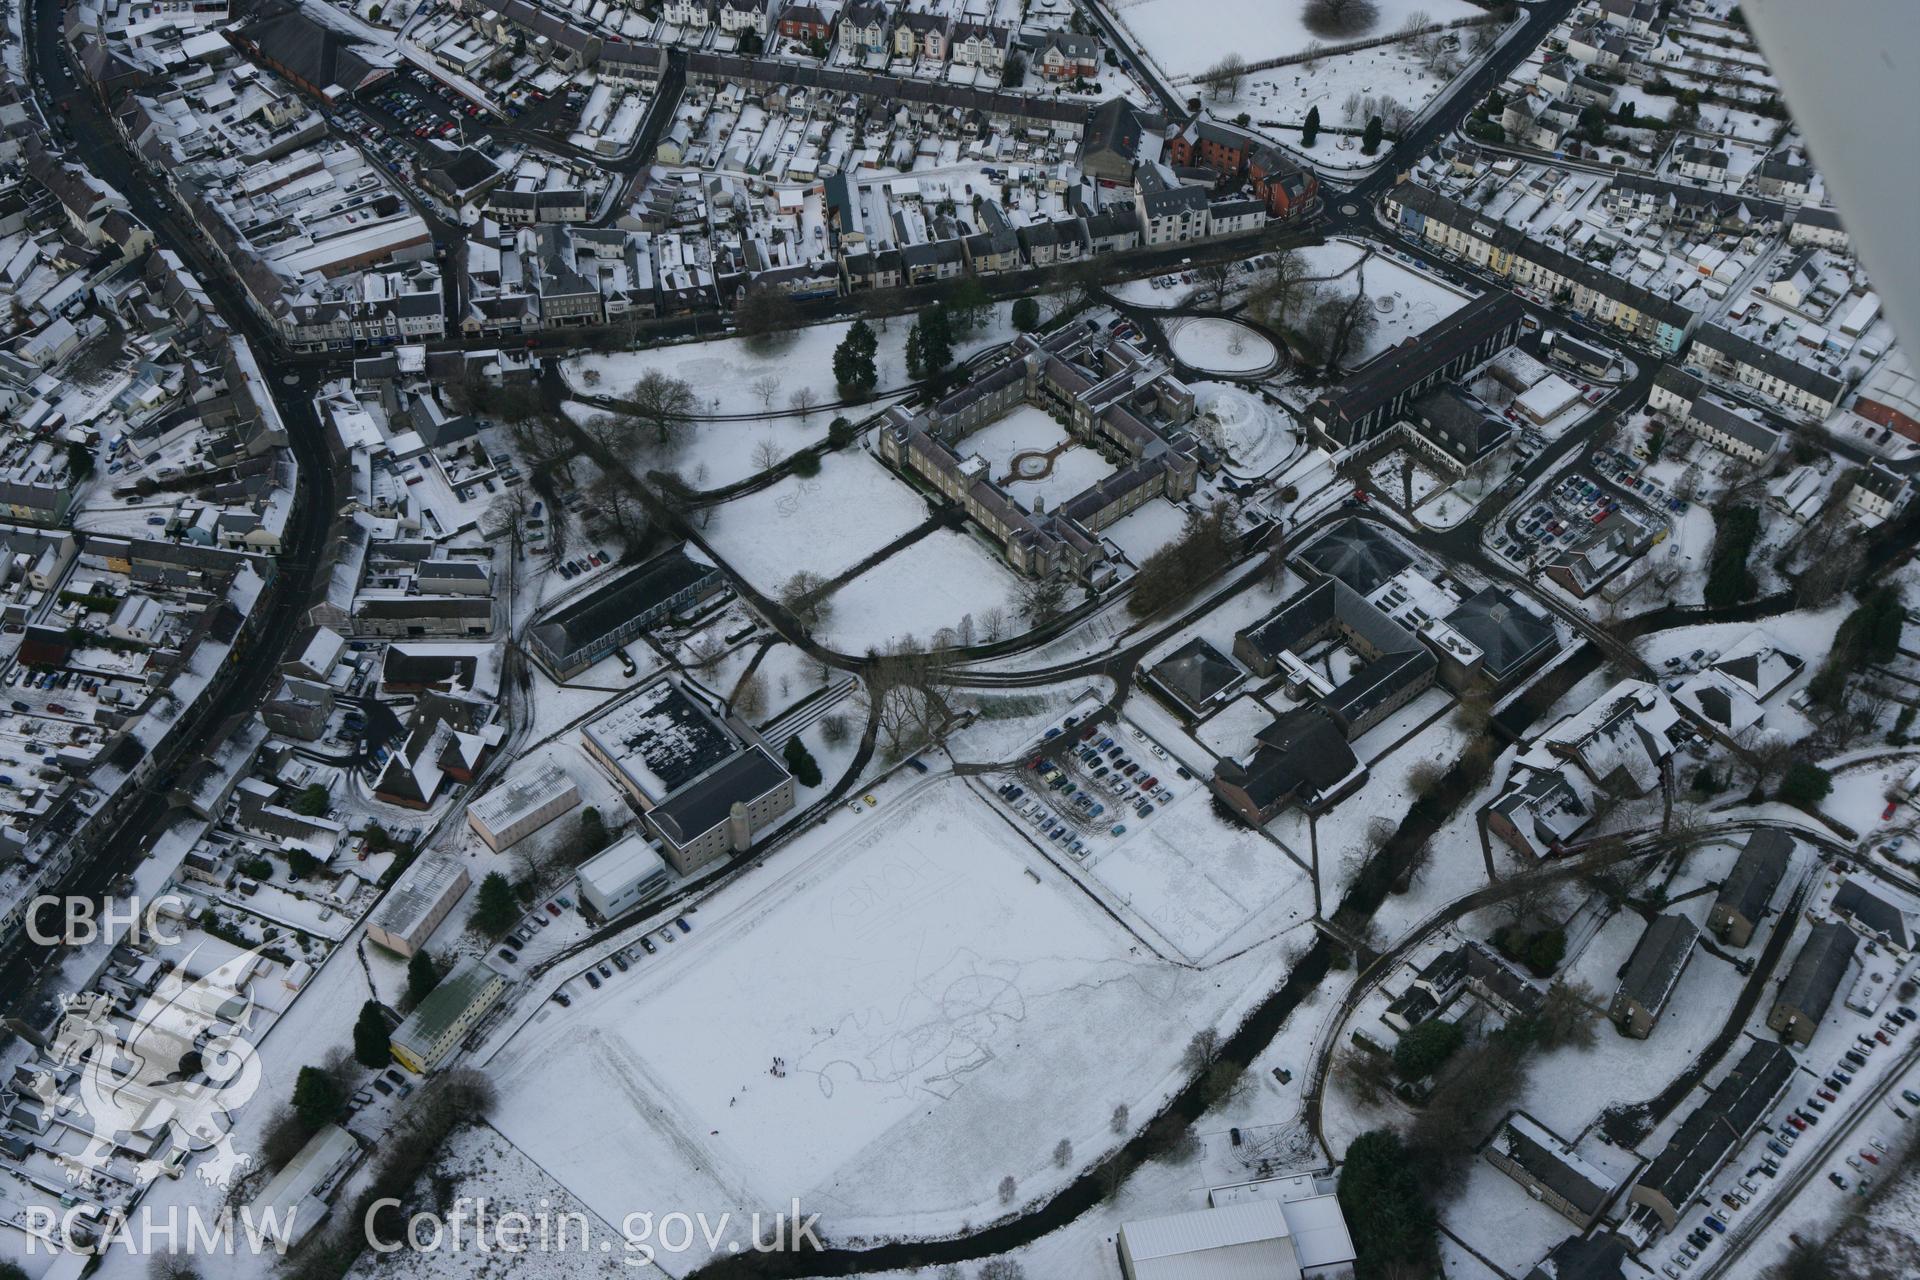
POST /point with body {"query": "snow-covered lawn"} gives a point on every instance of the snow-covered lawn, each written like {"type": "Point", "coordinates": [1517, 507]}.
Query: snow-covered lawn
{"type": "Point", "coordinates": [1284, 95]}
{"type": "Point", "coordinates": [1495, 1217]}
{"type": "Point", "coordinates": [1027, 429]}
{"type": "Point", "coordinates": [723, 373]}
{"type": "Point", "coordinates": [1214, 345]}
{"type": "Point", "coordinates": [1557, 1092]}
{"type": "Point", "coordinates": [1143, 531]}
{"type": "Point", "coordinates": [940, 1008]}
{"type": "Point", "coordinates": [1260, 29]}
{"type": "Point", "coordinates": [826, 523]}
{"type": "Point", "coordinates": [1406, 304]}
{"type": "Point", "coordinates": [944, 580]}
{"type": "Point", "coordinates": [1255, 434]}
{"type": "Point", "coordinates": [711, 455]}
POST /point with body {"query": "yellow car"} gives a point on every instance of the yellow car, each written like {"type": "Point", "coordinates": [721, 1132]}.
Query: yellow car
{"type": "Point", "coordinates": [870, 800]}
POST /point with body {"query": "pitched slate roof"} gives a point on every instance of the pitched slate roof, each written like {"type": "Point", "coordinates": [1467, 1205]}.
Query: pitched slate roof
{"type": "Point", "coordinates": [1815, 977]}
{"type": "Point", "coordinates": [1761, 865]}
{"type": "Point", "coordinates": [1659, 956]}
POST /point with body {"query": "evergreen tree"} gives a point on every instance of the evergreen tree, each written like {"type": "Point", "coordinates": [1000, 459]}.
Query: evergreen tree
{"type": "Point", "coordinates": [496, 909]}
{"type": "Point", "coordinates": [1370, 140]}
{"type": "Point", "coordinates": [423, 975]}
{"type": "Point", "coordinates": [854, 368]}
{"type": "Point", "coordinates": [1026, 315]}
{"type": "Point", "coordinates": [916, 356]}
{"type": "Point", "coordinates": [370, 1031]}
{"type": "Point", "coordinates": [1310, 131]}
{"type": "Point", "coordinates": [316, 1098]}
{"type": "Point", "coordinates": [935, 327]}
{"type": "Point", "coordinates": [800, 762]}
{"type": "Point", "coordinates": [967, 306]}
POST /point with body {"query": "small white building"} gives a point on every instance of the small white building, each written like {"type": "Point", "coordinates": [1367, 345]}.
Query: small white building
{"type": "Point", "coordinates": [294, 1201]}
{"type": "Point", "coordinates": [1251, 1232]}
{"type": "Point", "coordinates": [621, 876]}
{"type": "Point", "coordinates": [522, 805]}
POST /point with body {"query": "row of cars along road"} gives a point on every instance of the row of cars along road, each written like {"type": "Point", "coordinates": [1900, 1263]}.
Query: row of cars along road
{"type": "Point", "coordinates": [1817, 1103]}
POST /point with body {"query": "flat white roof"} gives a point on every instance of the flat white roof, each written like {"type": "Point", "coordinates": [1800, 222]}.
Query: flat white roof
{"type": "Point", "coordinates": [628, 861]}
{"type": "Point", "coordinates": [1162, 1248]}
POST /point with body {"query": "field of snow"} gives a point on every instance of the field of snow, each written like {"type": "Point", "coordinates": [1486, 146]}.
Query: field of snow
{"type": "Point", "coordinates": [723, 373]}
{"type": "Point", "coordinates": [1213, 345]}
{"type": "Point", "coordinates": [1260, 29]}
{"type": "Point", "coordinates": [1198, 881]}
{"type": "Point", "coordinates": [938, 1019]}
{"type": "Point", "coordinates": [826, 523]}
{"type": "Point", "coordinates": [937, 582]}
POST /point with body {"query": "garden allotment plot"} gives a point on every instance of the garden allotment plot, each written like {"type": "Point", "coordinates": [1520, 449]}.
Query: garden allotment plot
{"type": "Point", "coordinates": [943, 1018]}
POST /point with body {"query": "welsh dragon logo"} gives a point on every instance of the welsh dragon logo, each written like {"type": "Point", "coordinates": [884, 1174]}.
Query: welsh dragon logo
{"type": "Point", "coordinates": [184, 1066]}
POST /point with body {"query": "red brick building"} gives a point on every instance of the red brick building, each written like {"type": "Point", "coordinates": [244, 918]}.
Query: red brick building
{"type": "Point", "coordinates": [804, 22]}
{"type": "Point", "coordinates": [1288, 189]}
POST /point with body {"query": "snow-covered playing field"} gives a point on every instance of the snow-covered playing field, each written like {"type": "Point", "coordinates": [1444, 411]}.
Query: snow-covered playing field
{"type": "Point", "coordinates": [915, 1008]}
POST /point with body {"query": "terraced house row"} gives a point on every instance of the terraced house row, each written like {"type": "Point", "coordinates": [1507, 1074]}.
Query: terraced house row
{"type": "Point", "coordinates": [1658, 323]}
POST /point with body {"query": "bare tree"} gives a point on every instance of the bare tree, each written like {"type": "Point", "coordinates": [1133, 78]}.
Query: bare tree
{"type": "Point", "coordinates": [663, 403]}
{"type": "Point", "coordinates": [704, 653]}
{"type": "Point", "coordinates": [766, 386]}
{"type": "Point", "coordinates": [750, 696]}
{"type": "Point", "coordinates": [802, 401]}
{"type": "Point", "coordinates": [1350, 107]}
{"type": "Point", "coordinates": [611, 432]}
{"type": "Point", "coordinates": [1062, 1153]}
{"type": "Point", "coordinates": [1273, 297]}
{"type": "Point", "coordinates": [1368, 1074]}
{"type": "Point", "coordinates": [613, 494]}
{"type": "Point", "coordinates": [834, 729]}
{"type": "Point", "coordinates": [1008, 1189]}
{"type": "Point", "coordinates": [766, 455]}
{"type": "Point", "coordinates": [1223, 77]}
{"type": "Point", "coordinates": [805, 596]}
{"type": "Point", "coordinates": [1118, 1124]}
{"type": "Point", "coordinates": [993, 623]}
